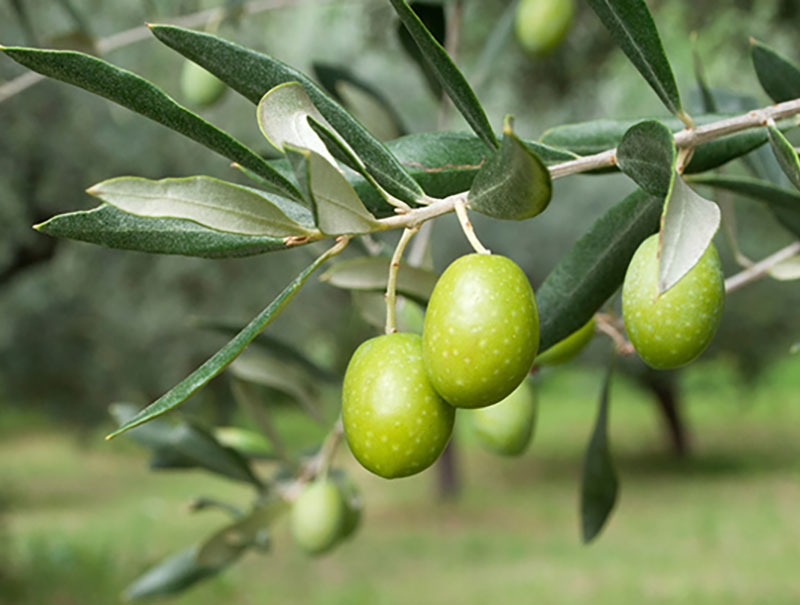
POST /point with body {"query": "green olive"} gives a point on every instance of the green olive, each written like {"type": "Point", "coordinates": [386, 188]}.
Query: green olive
{"type": "Point", "coordinates": [199, 87]}
{"type": "Point", "coordinates": [353, 503]}
{"type": "Point", "coordinates": [506, 427]}
{"type": "Point", "coordinates": [541, 25]}
{"type": "Point", "coordinates": [481, 330]}
{"type": "Point", "coordinates": [317, 516]}
{"type": "Point", "coordinates": [395, 423]}
{"type": "Point", "coordinates": [672, 329]}
{"type": "Point", "coordinates": [564, 350]}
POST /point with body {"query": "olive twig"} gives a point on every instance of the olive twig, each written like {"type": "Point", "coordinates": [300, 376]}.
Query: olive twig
{"type": "Point", "coordinates": [613, 328]}
{"type": "Point", "coordinates": [391, 284]}
{"type": "Point", "coordinates": [466, 226]}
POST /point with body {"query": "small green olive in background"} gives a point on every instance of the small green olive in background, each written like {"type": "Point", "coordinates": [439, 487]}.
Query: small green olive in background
{"type": "Point", "coordinates": [481, 330]}
{"type": "Point", "coordinates": [565, 350]}
{"type": "Point", "coordinates": [506, 428]}
{"type": "Point", "coordinates": [674, 328]}
{"type": "Point", "coordinates": [542, 25]}
{"type": "Point", "coordinates": [395, 423]}
{"type": "Point", "coordinates": [353, 503]}
{"type": "Point", "coordinates": [317, 516]}
{"type": "Point", "coordinates": [199, 87]}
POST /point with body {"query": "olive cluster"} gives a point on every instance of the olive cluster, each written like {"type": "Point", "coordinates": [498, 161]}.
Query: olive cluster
{"type": "Point", "coordinates": [479, 341]}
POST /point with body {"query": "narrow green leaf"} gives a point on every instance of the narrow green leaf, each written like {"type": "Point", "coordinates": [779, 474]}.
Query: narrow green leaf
{"type": "Point", "coordinates": [210, 202]}
{"type": "Point", "coordinates": [337, 148]}
{"type": "Point", "coordinates": [337, 207]}
{"type": "Point", "coordinates": [434, 19]}
{"type": "Point", "coordinates": [283, 114]}
{"type": "Point", "coordinates": [630, 24]}
{"type": "Point", "coordinates": [785, 154]}
{"type": "Point", "coordinates": [252, 74]}
{"type": "Point", "coordinates": [113, 228]}
{"type": "Point", "coordinates": [139, 95]}
{"type": "Point", "coordinates": [173, 575]}
{"type": "Point", "coordinates": [372, 274]}
{"type": "Point", "coordinates": [187, 445]}
{"type": "Point", "coordinates": [449, 76]}
{"type": "Point", "coordinates": [513, 184]}
{"type": "Point", "coordinates": [222, 358]}
{"type": "Point", "coordinates": [647, 155]}
{"type": "Point", "coordinates": [232, 540]}
{"type": "Point", "coordinates": [779, 76]}
{"type": "Point", "coordinates": [594, 267]}
{"type": "Point", "coordinates": [599, 484]}
{"type": "Point", "coordinates": [784, 203]}
{"type": "Point", "coordinates": [688, 225]}
{"type": "Point", "coordinates": [366, 102]}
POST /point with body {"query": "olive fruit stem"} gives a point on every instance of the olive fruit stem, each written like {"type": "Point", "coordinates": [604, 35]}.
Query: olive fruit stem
{"type": "Point", "coordinates": [317, 466]}
{"type": "Point", "coordinates": [391, 284]}
{"type": "Point", "coordinates": [761, 268]}
{"type": "Point", "coordinates": [466, 226]}
{"type": "Point", "coordinates": [613, 328]}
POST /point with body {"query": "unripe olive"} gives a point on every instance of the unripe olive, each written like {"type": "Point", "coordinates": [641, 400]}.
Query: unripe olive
{"type": "Point", "coordinates": [564, 350]}
{"type": "Point", "coordinates": [481, 330]}
{"type": "Point", "coordinates": [395, 423]}
{"type": "Point", "coordinates": [506, 427]}
{"type": "Point", "coordinates": [672, 329]}
{"type": "Point", "coordinates": [317, 516]}
{"type": "Point", "coordinates": [353, 504]}
{"type": "Point", "coordinates": [199, 87]}
{"type": "Point", "coordinates": [541, 25]}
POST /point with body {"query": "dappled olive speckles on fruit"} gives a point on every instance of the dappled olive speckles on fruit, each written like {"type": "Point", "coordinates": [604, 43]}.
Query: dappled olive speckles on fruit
{"type": "Point", "coordinates": [506, 427]}
{"type": "Point", "coordinates": [565, 350]}
{"type": "Point", "coordinates": [674, 328]}
{"type": "Point", "coordinates": [317, 516]}
{"type": "Point", "coordinates": [200, 88]}
{"type": "Point", "coordinates": [395, 423]}
{"type": "Point", "coordinates": [541, 25]}
{"type": "Point", "coordinates": [481, 330]}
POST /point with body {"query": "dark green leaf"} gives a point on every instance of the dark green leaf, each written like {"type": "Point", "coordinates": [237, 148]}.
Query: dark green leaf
{"type": "Point", "coordinates": [594, 268]}
{"type": "Point", "coordinates": [784, 203]}
{"type": "Point", "coordinates": [513, 184]}
{"type": "Point", "coordinates": [229, 542]}
{"type": "Point", "coordinates": [372, 274]}
{"type": "Point", "coordinates": [208, 201]}
{"type": "Point", "coordinates": [222, 358]}
{"type": "Point", "coordinates": [337, 208]}
{"type": "Point", "coordinates": [449, 76]}
{"type": "Point", "coordinates": [139, 95]}
{"type": "Point", "coordinates": [252, 74]}
{"type": "Point", "coordinates": [186, 445]}
{"type": "Point", "coordinates": [633, 29]}
{"type": "Point", "coordinates": [599, 484]}
{"type": "Point", "coordinates": [337, 148]}
{"type": "Point", "coordinates": [432, 15]}
{"type": "Point", "coordinates": [171, 576]}
{"type": "Point", "coordinates": [647, 155]}
{"type": "Point", "coordinates": [380, 117]}
{"type": "Point", "coordinates": [779, 76]}
{"type": "Point", "coordinates": [785, 154]}
{"type": "Point", "coordinates": [110, 227]}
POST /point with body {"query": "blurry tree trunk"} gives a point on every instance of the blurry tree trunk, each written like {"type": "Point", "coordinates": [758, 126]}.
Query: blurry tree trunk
{"type": "Point", "coordinates": [664, 387]}
{"type": "Point", "coordinates": [448, 484]}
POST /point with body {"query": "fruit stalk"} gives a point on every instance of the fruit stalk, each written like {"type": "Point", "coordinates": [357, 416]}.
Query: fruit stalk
{"type": "Point", "coordinates": [391, 284]}
{"type": "Point", "coordinates": [466, 226]}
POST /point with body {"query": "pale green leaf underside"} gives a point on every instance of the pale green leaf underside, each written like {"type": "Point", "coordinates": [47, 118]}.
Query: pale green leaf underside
{"type": "Point", "coordinates": [630, 24]}
{"type": "Point", "coordinates": [599, 484]}
{"type": "Point", "coordinates": [372, 274]}
{"type": "Point", "coordinates": [210, 202]}
{"type": "Point", "coordinates": [647, 155]}
{"type": "Point", "coordinates": [786, 270]}
{"type": "Point", "coordinates": [283, 114]}
{"type": "Point", "coordinates": [785, 154]}
{"type": "Point", "coordinates": [687, 229]}
{"type": "Point", "coordinates": [222, 358]}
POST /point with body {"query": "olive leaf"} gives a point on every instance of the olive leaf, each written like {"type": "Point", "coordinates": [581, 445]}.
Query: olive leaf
{"type": "Point", "coordinates": [208, 201]}
{"type": "Point", "coordinates": [173, 575]}
{"type": "Point", "coordinates": [599, 483]}
{"type": "Point", "coordinates": [785, 154]}
{"type": "Point", "coordinates": [337, 208]}
{"type": "Point", "coordinates": [283, 114]}
{"type": "Point", "coordinates": [647, 155]}
{"type": "Point", "coordinates": [372, 274]}
{"type": "Point", "coordinates": [779, 77]}
{"type": "Point", "coordinates": [514, 183]}
{"type": "Point", "coordinates": [688, 225]}
{"type": "Point", "coordinates": [786, 270]}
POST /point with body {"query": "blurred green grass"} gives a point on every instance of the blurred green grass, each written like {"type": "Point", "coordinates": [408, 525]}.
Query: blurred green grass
{"type": "Point", "coordinates": [84, 517]}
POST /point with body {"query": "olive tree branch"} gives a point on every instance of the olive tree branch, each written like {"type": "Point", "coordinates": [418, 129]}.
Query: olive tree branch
{"type": "Point", "coordinates": [761, 268]}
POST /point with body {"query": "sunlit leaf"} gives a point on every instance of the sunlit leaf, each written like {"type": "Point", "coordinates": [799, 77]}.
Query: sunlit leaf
{"type": "Point", "coordinates": [687, 228]}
